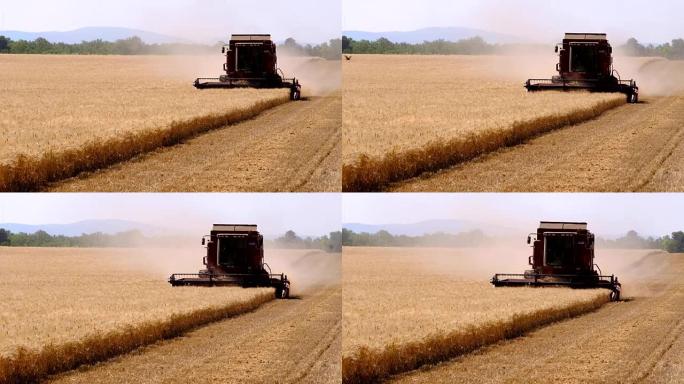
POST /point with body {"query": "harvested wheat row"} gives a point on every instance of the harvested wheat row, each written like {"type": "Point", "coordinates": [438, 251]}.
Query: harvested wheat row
{"type": "Point", "coordinates": [373, 174]}
{"type": "Point", "coordinates": [33, 365]}
{"type": "Point", "coordinates": [26, 174]}
{"type": "Point", "coordinates": [371, 365]}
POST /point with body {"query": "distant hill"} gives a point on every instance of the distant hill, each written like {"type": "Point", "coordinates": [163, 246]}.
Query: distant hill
{"type": "Point", "coordinates": [432, 226]}
{"type": "Point", "coordinates": [92, 33]}
{"type": "Point", "coordinates": [432, 34]}
{"type": "Point", "coordinates": [86, 226]}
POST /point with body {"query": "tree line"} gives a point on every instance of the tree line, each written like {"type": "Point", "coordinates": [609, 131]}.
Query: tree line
{"type": "Point", "coordinates": [328, 243]}
{"type": "Point", "coordinates": [478, 46]}
{"type": "Point", "coordinates": [386, 239]}
{"type": "Point", "coordinates": [472, 46]}
{"type": "Point", "coordinates": [135, 238]}
{"type": "Point", "coordinates": [673, 51]}
{"type": "Point", "coordinates": [97, 239]}
{"type": "Point", "coordinates": [673, 243]}
{"type": "Point", "coordinates": [331, 50]}
{"type": "Point", "coordinates": [136, 46]}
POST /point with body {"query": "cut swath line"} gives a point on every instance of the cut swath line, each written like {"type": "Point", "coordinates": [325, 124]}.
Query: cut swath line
{"type": "Point", "coordinates": [368, 365]}
{"type": "Point", "coordinates": [373, 174]}
{"type": "Point", "coordinates": [34, 365]}
{"type": "Point", "coordinates": [29, 174]}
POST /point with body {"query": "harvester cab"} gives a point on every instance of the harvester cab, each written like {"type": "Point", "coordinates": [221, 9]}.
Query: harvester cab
{"type": "Point", "coordinates": [586, 63]}
{"type": "Point", "coordinates": [563, 255]}
{"type": "Point", "coordinates": [235, 257]}
{"type": "Point", "coordinates": [251, 62]}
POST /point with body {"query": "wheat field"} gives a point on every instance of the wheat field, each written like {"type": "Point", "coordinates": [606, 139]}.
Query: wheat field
{"type": "Point", "coordinates": [455, 106]}
{"type": "Point", "coordinates": [63, 307]}
{"type": "Point", "coordinates": [60, 102]}
{"type": "Point", "coordinates": [89, 112]}
{"type": "Point", "coordinates": [404, 307]}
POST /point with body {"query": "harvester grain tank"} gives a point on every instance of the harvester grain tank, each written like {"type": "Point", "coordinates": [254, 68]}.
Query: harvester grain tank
{"type": "Point", "coordinates": [235, 257]}
{"type": "Point", "coordinates": [563, 255]}
{"type": "Point", "coordinates": [251, 62]}
{"type": "Point", "coordinates": [586, 63]}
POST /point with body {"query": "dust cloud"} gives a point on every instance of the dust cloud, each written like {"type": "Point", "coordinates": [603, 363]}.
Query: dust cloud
{"type": "Point", "coordinates": [654, 76]}
{"type": "Point", "coordinates": [319, 77]}
{"type": "Point", "coordinates": [642, 272]}
{"type": "Point", "coordinates": [306, 269]}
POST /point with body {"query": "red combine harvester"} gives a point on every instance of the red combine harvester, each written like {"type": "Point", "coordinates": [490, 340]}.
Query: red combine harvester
{"type": "Point", "coordinates": [563, 255]}
{"type": "Point", "coordinates": [251, 62]}
{"type": "Point", "coordinates": [235, 257]}
{"type": "Point", "coordinates": [586, 63]}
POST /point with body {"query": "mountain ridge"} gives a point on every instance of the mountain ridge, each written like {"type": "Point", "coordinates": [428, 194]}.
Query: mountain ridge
{"type": "Point", "coordinates": [433, 33]}
{"type": "Point", "coordinates": [76, 36]}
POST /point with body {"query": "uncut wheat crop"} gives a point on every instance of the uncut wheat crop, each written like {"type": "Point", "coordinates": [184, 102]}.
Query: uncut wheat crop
{"type": "Point", "coordinates": [53, 296]}
{"type": "Point", "coordinates": [398, 296]}
{"type": "Point", "coordinates": [61, 102]}
{"type": "Point", "coordinates": [398, 103]}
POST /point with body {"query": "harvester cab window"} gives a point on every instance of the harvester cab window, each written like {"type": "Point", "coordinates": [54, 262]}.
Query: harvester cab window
{"type": "Point", "coordinates": [249, 58]}
{"type": "Point", "coordinates": [584, 58]}
{"type": "Point", "coordinates": [232, 251]}
{"type": "Point", "coordinates": [558, 249]}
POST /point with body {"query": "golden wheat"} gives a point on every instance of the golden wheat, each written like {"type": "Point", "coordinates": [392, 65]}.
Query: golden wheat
{"type": "Point", "coordinates": [26, 174]}
{"type": "Point", "coordinates": [404, 115]}
{"type": "Point", "coordinates": [65, 307]}
{"type": "Point", "coordinates": [87, 107]}
{"type": "Point", "coordinates": [403, 308]}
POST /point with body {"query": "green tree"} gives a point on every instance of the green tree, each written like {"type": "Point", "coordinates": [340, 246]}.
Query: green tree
{"type": "Point", "coordinates": [4, 236]}
{"type": "Point", "coordinates": [4, 44]}
{"type": "Point", "coordinates": [347, 43]}
{"type": "Point", "coordinates": [675, 244]}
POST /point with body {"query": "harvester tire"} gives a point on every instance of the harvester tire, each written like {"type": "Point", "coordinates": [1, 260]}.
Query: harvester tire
{"type": "Point", "coordinates": [282, 293]}
{"type": "Point", "coordinates": [615, 295]}
{"type": "Point", "coordinates": [295, 95]}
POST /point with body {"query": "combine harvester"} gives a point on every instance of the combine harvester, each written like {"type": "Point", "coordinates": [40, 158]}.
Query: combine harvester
{"type": "Point", "coordinates": [586, 63]}
{"type": "Point", "coordinates": [563, 255]}
{"type": "Point", "coordinates": [251, 62]}
{"type": "Point", "coordinates": [235, 257]}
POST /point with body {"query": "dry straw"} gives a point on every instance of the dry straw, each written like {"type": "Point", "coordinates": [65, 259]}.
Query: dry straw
{"type": "Point", "coordinates": [374, 174]}
{"type": "Point", "coordinates": [367, 365]}
{"type": "Point", "coordinates": [28, 174]}
{"type": "Point", "coordinates": [34, 365]}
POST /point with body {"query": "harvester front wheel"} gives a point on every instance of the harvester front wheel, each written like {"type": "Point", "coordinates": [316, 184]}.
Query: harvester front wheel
{"type": "Point", "coordinates": [295, 94]}
{"type": "Point", "coordinates": [282, 292]}
{"type": "Point", "coordinates": [633, 98]}
{"type": "Point", "coordinates": [615, 295]}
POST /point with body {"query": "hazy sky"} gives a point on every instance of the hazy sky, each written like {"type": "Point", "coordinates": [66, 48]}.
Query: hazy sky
{"type": "Point", "coordinates": [311, 21]}
{"type": "Point", "coordinates": [608, 214]}
{"type": "Point", "coordinates": [539, 20]}
{"type": "Point", "coordinates": [306, 214]}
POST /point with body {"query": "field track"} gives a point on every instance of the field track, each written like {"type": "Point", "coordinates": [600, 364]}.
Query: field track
{"type": "Point", "coordinates": [630, 148]}
{"type": "Point", "coordinates": [293, 147]}
{"type": "Point", "coordinates": [285, 341]}
{"type": "Point", "coordinates": [640, 340]}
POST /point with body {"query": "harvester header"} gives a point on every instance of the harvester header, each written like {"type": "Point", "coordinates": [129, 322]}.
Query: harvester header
{"type": "Point", "coordinates": [563, 255]}
{"type": "Point", "coordinates": [585, 62]}
{"type": "Point", "coordinates": [251, 62]}
{"type": "Point", "coordinates": [234, 257]}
